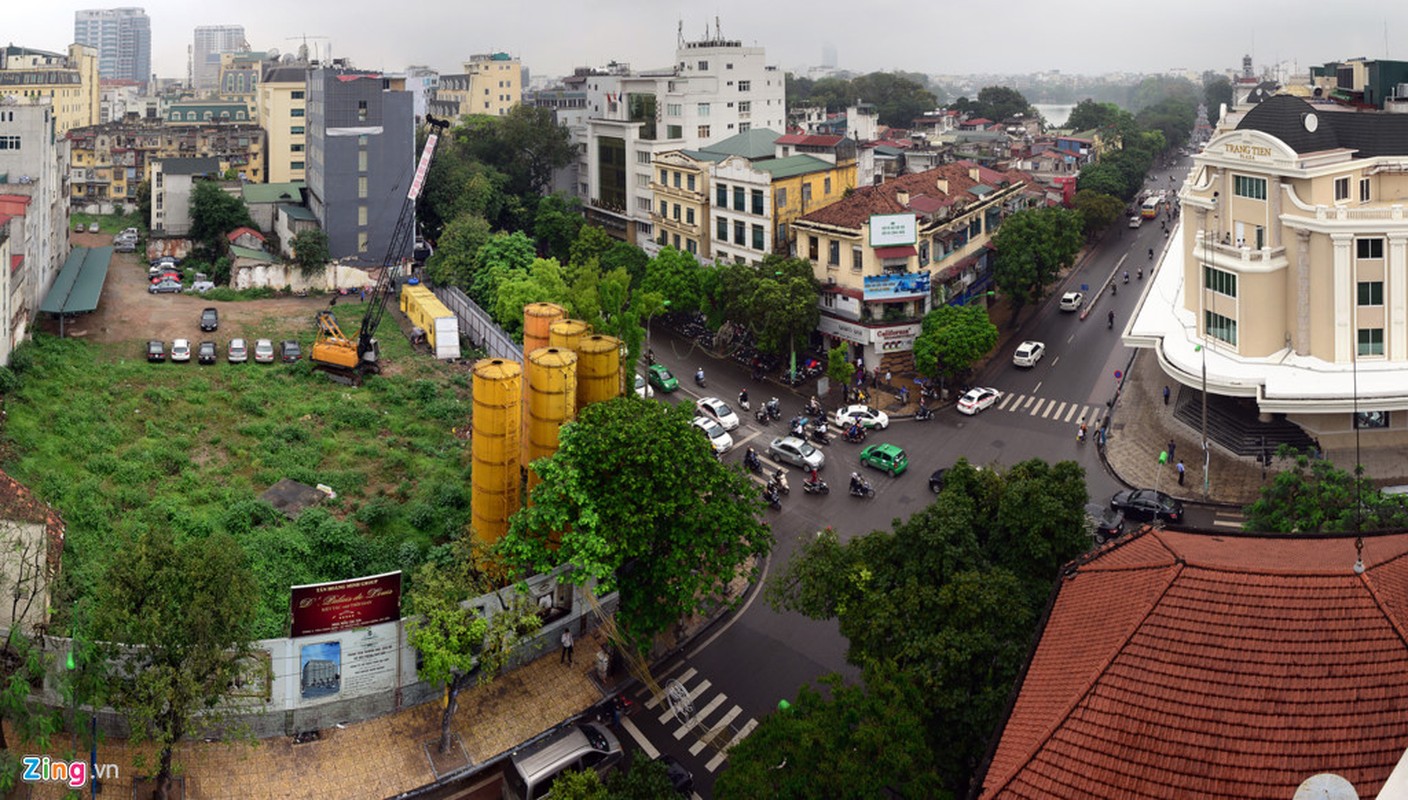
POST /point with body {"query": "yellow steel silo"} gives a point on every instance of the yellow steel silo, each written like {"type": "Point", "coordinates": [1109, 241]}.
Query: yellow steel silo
{"type": "Point", "coordinates": [598, 369]}
{"type": "Point", "coordinates": [495, 448]}
{"type": "Point", "coordinates": [551, 399]}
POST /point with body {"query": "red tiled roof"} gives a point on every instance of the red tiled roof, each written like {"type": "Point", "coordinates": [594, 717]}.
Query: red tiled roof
{"type": "Point", "coordinates": [1180, 664]}
{"type": "Point", "coordinates": [242, 230]}
{"type": "Point", "coordinates": [810, 140]}
{"type": "Point", "coordinates": [15, 263]}
{"type": "Point", "coordinates": [978, 121]}
{"type": "Point", "coordinates": [18, 503]}
{"type": "Point", "coordinates": [856, 210]}
{"type": "Point", "coordinates": [14, 205]}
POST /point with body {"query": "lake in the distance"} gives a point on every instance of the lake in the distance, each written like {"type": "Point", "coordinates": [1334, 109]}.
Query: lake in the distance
{"type": "Point", "coordinates": [1055, 114]}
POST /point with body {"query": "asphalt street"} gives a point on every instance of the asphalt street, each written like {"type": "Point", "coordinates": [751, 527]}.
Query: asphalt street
{"type": "Point", "coordinates": [737, 674]}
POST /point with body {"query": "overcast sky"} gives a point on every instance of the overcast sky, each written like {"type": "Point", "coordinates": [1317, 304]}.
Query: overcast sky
{"type": "Point", "coordinates": [944, 37]}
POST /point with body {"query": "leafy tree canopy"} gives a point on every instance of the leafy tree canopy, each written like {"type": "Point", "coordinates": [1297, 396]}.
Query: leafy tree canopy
{"type": "Point", "coordinates": [526, 145]}
{"type": "Point", "coordinates": [635, 499]}
{"type": "Point", "coordinates": [310, 251]}
{"type": "Point", "coordinates": [1315, 496]}
{"type": "Point", "coordinates": [898, 97]}
{"type": "Point", "coordinates": [1033, 246]}
{"type": "Point", "coordinates": [457, 251]}
{"type": "Point", "coordinates": [556, 225]}
{"type": "Point", "coordinates": [1098, 211]}
{"type": "Point", "coordinates": [996, 103]}
{"type": "Point", "coordinates": [952, 339]}
{"type": "Point", "coordinates": [1217, 90]}
{"type": "Point", "coordinates": [1088, 115]}
{"type": "Point", "coordinates": [214, 213]}
{"type": "Point", "coordinates": [677, 277]}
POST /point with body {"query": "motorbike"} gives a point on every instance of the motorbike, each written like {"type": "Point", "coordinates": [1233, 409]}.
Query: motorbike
{"type": "Point", "coordinates": [762, 415]}
{"type": "Point", "coordinates": [1126, 276]}
{"type": "Point", "coordinates": [772, 498]}
{"type": "Point", "coordinates": [614, 709]}
{"type": "Point", "coordinates": [815, 487]}
{"type": "Point", "coordinates": [751, 461]}
{"type": "Point", "coordinates": [813, 408]}
{"type": "Point", "coordinates": [799, 427]}
{"type": "Point", "coordinates": [699, 379]}
{"type": "Point", "coordinates": [1140, 273]}
{"type": "Point", "coordinates": [923, 414]}
{"type": "Point", "coordinates": [743, 402]}
{"type": "Point", "coordinates": [1114, 289]}
{"type": "Point", "coordinates": [773, 409]}
{"type": "Point", "coordinates": [1112, 320]}
{"type": "Point", "coordinates": [862, 489]}
{"type": "Point", "coordinates": [779, 479]}
{"type": "Point", "coordinates": [820, 436]}
{"type": "Point", "coordinates": [855, 435]}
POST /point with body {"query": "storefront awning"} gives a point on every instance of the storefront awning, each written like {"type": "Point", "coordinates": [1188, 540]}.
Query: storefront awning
{"type": "Point", "coordinates": [894, 252]}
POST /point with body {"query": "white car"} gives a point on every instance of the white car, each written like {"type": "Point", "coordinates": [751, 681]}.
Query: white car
{"type": "Point", "coordinates": [181, 350]}
{"type": "Point", "coordinates": [977, 399]}
{"type": "Point", "coordinates": [1028, 353]}
{"type": "Point", "coordinates": [1070, 301]}
{"type": "Point", "coordinates": [718, 437]}
{"type": "Point", "coordinates": [263, 352]}
{"type": "Point", "coordinates": [717, 410]}
{"type": "Point", "coordinates": [643, 388]}
{"type": "Point", "coordinates": [869, 418]}
{"type": "Point", "coordinates": [1135, 221]}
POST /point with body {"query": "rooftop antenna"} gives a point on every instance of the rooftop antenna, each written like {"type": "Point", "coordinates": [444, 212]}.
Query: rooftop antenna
{"type": "Point", "coordinates": [680, 36]}
{"type": "Point", "coordinates": [718, 29]}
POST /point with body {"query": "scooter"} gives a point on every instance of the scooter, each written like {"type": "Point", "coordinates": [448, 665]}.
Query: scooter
{"type": "Point", "coordinates": [1112, 320]}
{"type": "Point", "coordinates": [819, 434]}
{"type": "Point", "coordinates": [799, 427]}
{"type": "Point", "coordinates": [762, 415]}
{"type": "Point", "coordinates": [855, 435]}
{"type": "Point", "coordinates": [771, 497]}
{"type": "Point", "coordinates": [862, 489]}
{"type": "Point", "coordinates": [751, 462]}
{"type": "Point", "coordinates": [779, 479]}
{"type": "Point", "coordinates": [743, 402]}
{"type": "Point", "coordinates": [815, 487]}
{"type": "Point", "coordinates": [699, 379]}
{"type": "Point", "coordinates": [1114, 289]}
{"type": "Point", "coordinates": [773, 409]}
{"type": "Point", "coordinates": [1140, 273]}
{"type": "Point", "coordinates": [1126, 276]}
{"type": "Point", "coordinates": [924, 414]}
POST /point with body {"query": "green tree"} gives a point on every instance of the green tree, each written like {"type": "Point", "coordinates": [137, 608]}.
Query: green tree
{"type": "Point", "coordinates": [144, 203]}
{"type": "Point", "coordinates": [526, 145]}
{"type": "Point", "coordinates": [839, 367]}
{"type": "Point", "coordinates": [676, 276]}
{"type": "Point", "coordinates": [542, 282]}
{"type": "Point", "coordinates": [996, 103]}
{"type": "Point", "coordinates": [1090, 115]}
{"type": "Point", "coordinates": [638, 779]}
{"type": "Point", "coordinates": [214, 213]}
{"type": "Point", "coordinates": [862, 742]}
{"type": "Point", "coordinates": [310, 251]}
{"type": "Point", "coordinates": [456, 644]}
{"type": "Point", "coordinates": [184, 610]}
{"type": "Point", "coordinates": [455, 185]}
{"type": "Point", "coordinates": [1033, 247]}
{"type": "Point", "coordinates": [457, 251]}
{"type": "Point", "coordinates": [897, 99]}
{"type": "Point", "coordinates": [951, 339]}
{"type": "Point", "coordinates": [556, 225]}
{"type": "Point", "coordinates": [1217, 91]}
{"type": "Point", "coordinates": [23, 660]}
{"type": "Point", "coordinates": [1315, 496]}
{"type": "Point", "coordinates": [591, 243]}
{"type": "Point", "coordinates": [1103, 179]}
{"type": "Point", "coordinates": [1097, 211]}
{"type": "Point", "coordinates": [501, 256]}
{"type": "Point", "coordinates": [635, 499]}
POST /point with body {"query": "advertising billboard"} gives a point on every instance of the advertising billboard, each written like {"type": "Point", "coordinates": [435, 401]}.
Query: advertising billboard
{"type": "Point", "coordinates": [342, 605]}
{"type": "Point", "coordinates": [895, 286]}
{"type": "Point", "coordinates": [889, 230]}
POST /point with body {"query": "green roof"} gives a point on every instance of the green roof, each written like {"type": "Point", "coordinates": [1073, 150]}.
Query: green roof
{"type": "Point", "coordinates": [700, 155]}
{"type": "Point", "coordinates": [250, 253]}
{"type": "Point", "coordinates": [79, 283]}
{"type": "Point", "coordinates": [273, 192]}
{"type": "Point", "coordinates": [793, 165]}
{"type": "Point", "coordinates": [755, 143]}
{"type": "Point", "coordinates": [298, 212]}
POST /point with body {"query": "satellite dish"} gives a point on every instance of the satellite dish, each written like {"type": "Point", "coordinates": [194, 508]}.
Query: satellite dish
{"type": "Point", "coordinates": [1325, 786]}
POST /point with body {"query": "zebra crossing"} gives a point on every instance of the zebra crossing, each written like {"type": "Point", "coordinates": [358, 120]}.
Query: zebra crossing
{"type": "Point", "coordinates": [690, 709]}
{"type": "Point", "coordinates": [1050, 409]}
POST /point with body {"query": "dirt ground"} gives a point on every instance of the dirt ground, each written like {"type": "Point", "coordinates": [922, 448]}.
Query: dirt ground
{"type": "Point", "coordinates": [128, 313]}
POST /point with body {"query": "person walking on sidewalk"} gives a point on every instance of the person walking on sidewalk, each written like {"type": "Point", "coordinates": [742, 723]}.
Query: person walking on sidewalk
{"type": "Point", "coordinates": [1180, 473]}
{"type": "Point", "coordinates": [1171, 445]}
{"type": "Point", "coordinates": [1165, 395]}
{"type": "Point", "coordinates": [567, 634]}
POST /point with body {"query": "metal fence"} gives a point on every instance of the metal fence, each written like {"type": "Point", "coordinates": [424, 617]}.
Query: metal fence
{"type": "Point", "coordinates": [477, 326]}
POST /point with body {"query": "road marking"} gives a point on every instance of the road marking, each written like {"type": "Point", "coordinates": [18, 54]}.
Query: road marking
{"type": "Point", "coordinates": [1072, 339]}
{"type": "Point", "coordinates": [1037, 407]}
{"type": "Point", "coordinates": [1072, 412]}
{"type": "Point", "coordinates": [659, 698]}
{"type": "Point", "coordinates": [645, 745]}
{"type": "Point", "coordinates": [746, 439]}
{"type": "Point", "coordinates": [723, 752]}
{"type": "Point", "coordinates": [1005, 400]}
{"type": "Point", "coordinates": [1030, 398]}
{"type": "Point", "coordinates": [1059, 410]}
{"type": "Point", "coordinates": [1051, 408]}
{"type": "Point", "coordinates": [1227, 523]}
{"type": "Point", "coordinates": [1038, 387]}
{"type": "Point", "coordinates": [693, 693]}
{"type": "Point", "coordinates": [1055, 360]}
{"type": "Point", "coordinates": [699, 716]}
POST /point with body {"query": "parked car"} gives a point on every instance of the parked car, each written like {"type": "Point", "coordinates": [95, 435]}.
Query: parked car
{"type": "Point", "coordinates": [1146, 505]}
{"type": "Point", "coordinates": [93, 227]}
{"type": "Point", "coordinates": [289, 352]}
{"type": "Point", "coordinates": [125, 246]}
{"type": "Point", "coordinates": [156, 350]}
{"type": "Point", "coordinates": [886, 458]}
{"type": "Point", "coordinates": [717, 410]}
{"type": "Point", "coordinates": [206, 353]}
{"type": "Point", "coordinates": [264, 352]}
{"type": "Point", "coordinates": [209, 319]}
{"type": "Point", "coordinates": [1070, 301]}
{"type": "Point", "coordinates": [869, 418]}
{"type": "Point", "coordinates": [160, 265]}
{"type": "Point", "coordinates": [133, 232]}
{"type": "Point", "coordinates": [165, 285]}
{"type": "Point", "coordinates": [718, 437]}
{"type": "Point", "coordinates": [796, 452]}
{"type": "Point", "coordinates": [237, 352]}
{"type": "Point", "coordinates": [124, 237]}
{"type": "Point", "coordinates": [643, 388]}
{"type": "Point", "coordinates": [1105, 523]}
{"type": "Point", "coordinates": [181, 350]}
{"type": "Point", "coordinates": [661, 378]}
{"type": "Point", "coordinates": [160, 260]}
{"type": "Point", "coordinates": [1028, 353]}
{"type": "Point", "coordinates": [77, 227]}
{"type": "Point", "coordinates": [977, 399]}
{"type": "Point", "coordinates": [164, 275]}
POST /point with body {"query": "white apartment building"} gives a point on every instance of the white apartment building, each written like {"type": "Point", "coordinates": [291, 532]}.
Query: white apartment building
{"type": "Point", "coordinates": [715, 89]}
{"type": "Point", "coordinates": [210, 42]}
{"type": "Point", "coordinates": [34, 210]}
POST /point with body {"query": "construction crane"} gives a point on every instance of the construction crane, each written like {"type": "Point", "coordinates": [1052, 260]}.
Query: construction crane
{"type": "Point", "coordinates": [344, 359]}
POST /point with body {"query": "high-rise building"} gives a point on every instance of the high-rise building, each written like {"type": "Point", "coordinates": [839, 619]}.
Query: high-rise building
{"type": "Point", "coordinates": [361, 155]}
{"type": "Point", "coordinates": [282, 105]}
{"type": "Point", "coordinates": [123, 38]}
{"type": "Point", "coordinates": [210, 42]}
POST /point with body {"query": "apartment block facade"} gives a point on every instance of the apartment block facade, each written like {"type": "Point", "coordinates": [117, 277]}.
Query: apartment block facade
{"type": "Point", "coordinates": [67, 82]}
{"type": "Point", "coordinates": [208, 43]}
{"type": "Point", "coordinates": [491, 84]}
{"type": "Point", "coordinates": [282, 111]}
{"type": "Point", "coordinates": [34, 210]}
{"type": "Point", "coordinates": [123, 39]}
{"type": "Point", "coordinates": [107, 162]}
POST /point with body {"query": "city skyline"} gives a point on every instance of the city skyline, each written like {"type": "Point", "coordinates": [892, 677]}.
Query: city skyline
{"type": "Point", "coordinates": [961, 39]}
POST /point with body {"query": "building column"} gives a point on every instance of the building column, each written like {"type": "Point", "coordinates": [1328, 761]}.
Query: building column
{"type": "Point", "coordinates": [1273, 222]}
{"type": "Point", "coordinates": [1345, 341]}
{"type": "Point", "coordinates": [1397, 294]}
{"type": "Point", "coordinates": [1302, 342]}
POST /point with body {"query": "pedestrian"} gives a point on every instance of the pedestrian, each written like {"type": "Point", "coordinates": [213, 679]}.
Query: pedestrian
{"type": "Point", "coordinates": [1171, 444]}
{"type": "Point", "coordinates": [567, 644]}
{"type": "Point", "coordinates": [887, 377]}
{"type": "Point", "coordinates": [875, 378]}
{"type": "Point", "coordinates": [364, 294]}
{"type": "Point", "coordinates": [1180, 473]}
{"type": "Point", "coordinates": [1165, 395]}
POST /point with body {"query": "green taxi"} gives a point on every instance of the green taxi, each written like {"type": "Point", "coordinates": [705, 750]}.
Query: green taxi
{"type": "Point", "coordinates": [661, 378]}
{"type": "Point", "coordinates": [886, 458]}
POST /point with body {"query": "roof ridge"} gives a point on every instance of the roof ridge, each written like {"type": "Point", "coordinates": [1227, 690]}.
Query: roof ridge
{"type": "Point", "coordinates": [1392, 618]}
{"type": "Point", "coordinates": [1178, 565]}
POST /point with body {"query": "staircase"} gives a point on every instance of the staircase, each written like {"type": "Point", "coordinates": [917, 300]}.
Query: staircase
{"type": "Point", "coordinates": [1234, 424]}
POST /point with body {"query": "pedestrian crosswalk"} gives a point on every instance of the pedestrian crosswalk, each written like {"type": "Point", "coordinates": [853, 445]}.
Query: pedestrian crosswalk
{"type": "Point", "coordinates": [1050, 409]}
{"type": "Point", "coordinates": [697, 713]}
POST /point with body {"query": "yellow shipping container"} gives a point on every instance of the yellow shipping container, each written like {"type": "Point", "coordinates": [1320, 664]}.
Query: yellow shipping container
{"type": "Point", "coordinates": [426, 312]}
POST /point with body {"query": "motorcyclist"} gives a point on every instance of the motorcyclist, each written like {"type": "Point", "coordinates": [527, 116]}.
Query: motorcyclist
{"type": "Point", "coordinates": [699, 374]}
{"type": "Point", "coordinates": [813, 478]}
{"type": "Point", "coordinates": [1139, 273]}
{"type": "Point", "coordinates": [1151, 254]}
{"type": "Point", "coordinates": [750, 459]}
{"type": "Point", "coordinates": [1126, 276]}
{"type": "Point", "coordinates": [1114, 289]}
{"type": "Point", "coordinates": [857, 483]}
{"type": "Point", "coordinates": [855, 431]}
{"type": "Point", "coordinates": [1112, 319]}
{"type": "Point", "coordinates": [743, 399]}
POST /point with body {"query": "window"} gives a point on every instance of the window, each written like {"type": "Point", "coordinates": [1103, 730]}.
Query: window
{"type": "Point", "coordinates": [1371, 341]}
{"type": "Point", "coordinates": [721, 195]}
{"type": "Point", "coordinates": [826, 186]}
{"type": "Point", "coordinates": [295, 112]}
{"type": "Point", "coordinates": [643, 157]}
{"type": "Point", "coordinates": [690, 246]}
{"type": "Point", "coordinates": [295, 165]}
{"type": "Point", "coordinates": [295, 148]}
{"type": "Point", "coordinates": [296, 95]}
{"type": "Point", "coordinates": [728, 65]}
{"type": "Point", "coordinates": [1369, 248]}
{"type": "Point", "coordinates": [689, 182]}
{"type": "Point", "coordinates": [1364, 195]}
{"type": "Point", "coordinates": [1220, 281]}
{"type": "Point", "coordinates": [674, 132]}
{"type": "Point", "coordinates": [703, 132]}
{"type": "Point", "coordinates": [643, 203]}
{"type": "Point", "coordinates": [1371, 293]}
{"type": "Point", "coordinates": [362, 242]}
{"type": "Point", "coordinates": [362, 161]}
{"type": "Point", "coordinates": [740, 232]}
{"type": "Point", "coordinates": [1341, 189]}
{"type": "Point", "coordinates": [689, 216]}
{"type": "Point", "coordinates": [757, 195]}
{"type": "Point", "coordinates": [1220, 327]}
{"type": "Point", "coordinates": [738, 197]}
{"type": "Point", "coordinates": [781, 198]}
{"type": "Point", "coordinates": [857, 259]}
{"type": "Point", "coordinates": [677, 212]}
{"type": "Point", "coordinates": [924, 253]}
{"type": "Point", "coordinates": [1371, 419]}
{"type": "Point", "coordinates": [703, 109]}
{"type": "Point", "coordinates": [833, 253]}
{"type": "Point", "coordinates": [721, 229]}
{"type": "Point", "coordinates": [9, 142]}
{"type": "Point", "coordinates": [745, 86]}
{"type": "Point", "coordinates": [296, 130]}
{"type": "Point", "coordinates": [677, 179]}
{"type": "Point", "coordinates": [703, 64]}
{"type": "Point", "coordinates": [745, 106]}
{"type": "Point", "coordinates": [642, 180]}
{"type": "Point", "coordinates": [744, 127]}
{"type": "Point", "coordinates": [806, 192]}
{"type": "Point", "coordinates": [757, 237]}
{"type": "Point", "coordinates": [664, 209]}
{"type": "Point", "coordinates": [1245, 186]}
{"type": "Point", "coordinates": [361, 215]}
{"type": "Point", "coordinates": [362, 187]}
{"type": "Point", "coordinates": [664, 177]}
{"type": "Point", "coordinates": [674, 109]}
{"type": "Point", "coordinates": [811, 247]}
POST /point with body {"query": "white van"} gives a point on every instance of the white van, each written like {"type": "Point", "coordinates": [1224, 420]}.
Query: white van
{"type": "Point", "coordinates": [530, 772]}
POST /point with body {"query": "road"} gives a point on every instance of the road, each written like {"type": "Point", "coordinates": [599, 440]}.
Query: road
{"type": "Point", "coordinates": [758, 656]}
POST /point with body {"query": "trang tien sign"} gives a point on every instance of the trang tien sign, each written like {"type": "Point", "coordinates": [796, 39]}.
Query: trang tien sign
{"type": "Point", "coordinates": [887, 230]}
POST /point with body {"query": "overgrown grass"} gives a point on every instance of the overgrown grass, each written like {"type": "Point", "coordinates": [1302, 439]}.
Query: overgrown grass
{"type": "Point", "coordinates": [114, 443]}
{"type": "Point", "coordinates": [226, 294]}
{"type": "Point", "coordinates": [109, 223]}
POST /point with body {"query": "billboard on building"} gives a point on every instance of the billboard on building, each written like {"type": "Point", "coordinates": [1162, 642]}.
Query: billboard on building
{"type": "Point", "coordinates": [897, 285]}
{"type": "Point", "coordinates": [888, 230]}
{"type": "Point", "coordinates": [343, 605]}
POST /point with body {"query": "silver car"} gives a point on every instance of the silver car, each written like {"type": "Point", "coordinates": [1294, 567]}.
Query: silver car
{"type": "Point", "coordinates": [796, 452]}
{"type": "Point", "coordinates": [263, 352]}
{"type": "Point", "coordinates": [238, 352]}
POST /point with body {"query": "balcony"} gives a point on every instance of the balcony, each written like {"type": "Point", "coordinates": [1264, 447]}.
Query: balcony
{"type": "Point", "coordinates": [676, 226]}
{"type": "Point", "coordinates": [671, 191]}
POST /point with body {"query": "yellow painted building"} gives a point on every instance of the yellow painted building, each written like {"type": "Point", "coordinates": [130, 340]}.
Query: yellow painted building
{"type": "Point", "coordinates": [681, 212]}
{"type": "Point", "coordinates": [240, 74]}
{"type": "Point", "coordinates": [68, 82]}
{"type": "Point", "coordinates": [281, 112]}
{"type": "Point", "coordinates": [491, 85]}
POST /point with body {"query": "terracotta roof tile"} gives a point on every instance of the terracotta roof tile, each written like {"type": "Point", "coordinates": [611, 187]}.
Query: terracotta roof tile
{"type": "Point", "coordinates": [855, 210]}
{"type": "Point", "coordinates": [810, 140]}
{"type": "Point", "coordinates": [1179, 664]}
